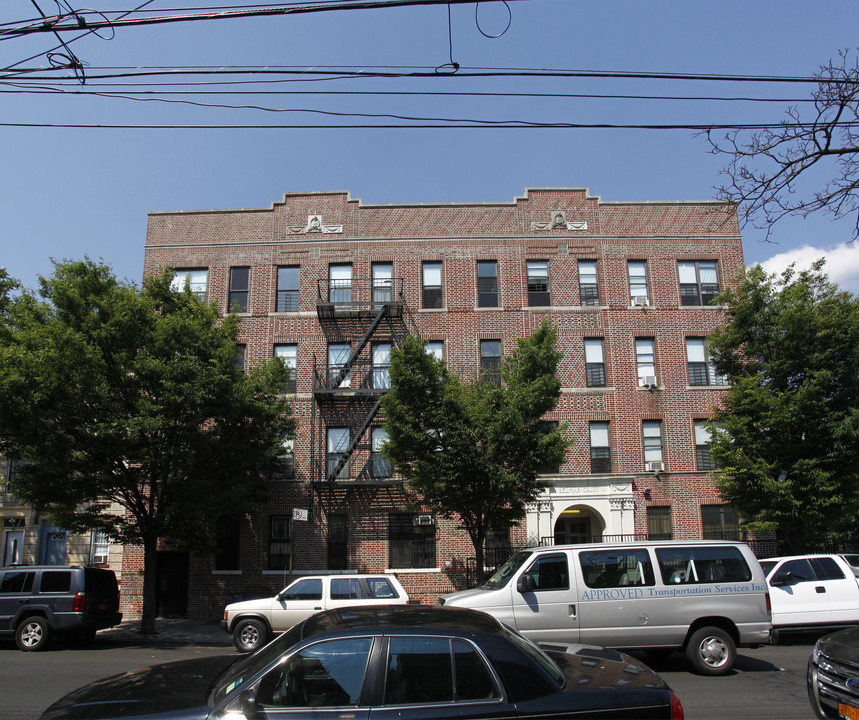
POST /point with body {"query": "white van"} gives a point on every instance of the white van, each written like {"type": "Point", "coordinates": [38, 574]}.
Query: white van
{"type": "Point", "coordinates": [702, 597]}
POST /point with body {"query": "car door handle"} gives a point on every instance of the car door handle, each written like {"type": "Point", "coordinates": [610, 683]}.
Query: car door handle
{"type": "Point", "coordinates": [820, 589]}
{"type": "Point", "coordinates": [572, 611]}
{"type": "Point", "coordinates": [318, 607]}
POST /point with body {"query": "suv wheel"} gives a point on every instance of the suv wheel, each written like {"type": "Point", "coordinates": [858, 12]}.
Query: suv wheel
{"type": "Point", "coordinates": [250, 634]}
{"type": "Point", "coordinates": [32, 633]}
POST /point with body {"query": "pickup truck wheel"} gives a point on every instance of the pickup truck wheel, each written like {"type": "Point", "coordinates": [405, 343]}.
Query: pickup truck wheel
{"type": "Point", "coordinates": [250, 635]}
{"type": "Point", "coordinates": [711, 651]}
{"type": "Point", "coordinates": [32, 633]}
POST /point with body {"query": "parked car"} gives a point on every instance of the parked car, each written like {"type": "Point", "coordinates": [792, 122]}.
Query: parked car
{"type": "Point", "coordinates": [833, 675]}
{"type": "Point", "coordinates": [811, 591]}
{"type": "Point", "coordinates": [254, 622]}
{"type": "Point", "coordinates": [37, 602]}
{"type": "Point", "coordinates": [702, 597]}
{"type": "Point", "coordinates": [386, 662]}
{"type": "Point", "coordinates": [853, 562]}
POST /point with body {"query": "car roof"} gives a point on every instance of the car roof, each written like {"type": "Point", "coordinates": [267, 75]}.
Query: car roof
{"type": "Point", "coordinates": [347, 576]}
{"type": "Point", "coordinates": [395, 619]}
{"type": "Point", "coordinates": [797, 557]}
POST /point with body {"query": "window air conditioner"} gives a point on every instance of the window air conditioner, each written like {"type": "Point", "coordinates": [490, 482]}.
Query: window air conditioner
{"type": "Point", "coordinates": [654, 466]}
{"type": "Point", "coordinates": [640, 301]}
{"type": "Point", "coordinates": [423, 520]}
{"type": "Point", "coordinates": [647, 381]}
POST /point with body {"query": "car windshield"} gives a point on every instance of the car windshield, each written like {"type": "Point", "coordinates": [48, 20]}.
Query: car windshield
{"type": "Point", "coordinates": [249, 667]}
{"type": "Point", "coordinates": [503, 574]}
{"type": "Point", "coordinates": [543, 660]}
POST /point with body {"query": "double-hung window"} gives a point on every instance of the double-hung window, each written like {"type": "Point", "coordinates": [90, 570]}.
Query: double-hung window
{"type": "Point", "coordinates": [700, 367]}
{"type": "Point", "coordinates": [645, 361]}
{"type": "Point", "coordinates": [659, 522]}
{"type": "Point", "coordinates": [703, 451]}
{"type": "Point", "coordinates": [638, 292]}
{"type": "Point", "coordinates": [432, 286]}
{"type": "Point", "coordinates": [699, 281]}
{"type": "Point", "coordinates": [99, 548]}
{"type": "Point", "coordinates": [487, 283]}
{"type": "Point", "coordinates": [195, 280]}
{"type": "Point", "coordinates": [538, 283]}
{"type": "Point", "coordinates": [490, 361]}
{"type": "Point", "coordinates": [286, 460]}
{"type": "Point", "coordinates": [340, 284]}
{"type": "Point", "coordinates": [288, 355]}
{"type": "Point", "coordinates": [720, 522]}
{"type": "Point", "coordinates": [237, 299]}
{"type": "Point", "coordinates": [380, 466]}
{"type": "Point", "coordinates": [589, 289]}
{"type": "Point", "coordinates": [651, 431]}
{"type": "Point", "coordinates": [594, 363]}
{"type": "Point", "coordinates": [241, 357]}
{"type": "Point", "coordinates": [338, 541]}
{"type": "Point", "coordinates": [279, 542]}
{"type": "Point", "coordinates": [227, 542]}
{"type": "Point", "coordinates": [411, 540]}
{"type": "Point", "coordinates": [286, 299]}
{"type": "Point", "coordinates": [383, 284]}
{"type": "Point", "coordinates": [337, 443]}
{"type": "Point", "coordinates": [381, 371]}
{"type": "Point", "coordinates": [600, 447]}
{"type": "Point", "coordinates": [435, 348]}
{"type": "Point", "coordinates": [338, 358]}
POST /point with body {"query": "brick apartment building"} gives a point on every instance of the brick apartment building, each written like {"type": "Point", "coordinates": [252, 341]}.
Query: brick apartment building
{"type": "Point", "coordinates": [331, 284]}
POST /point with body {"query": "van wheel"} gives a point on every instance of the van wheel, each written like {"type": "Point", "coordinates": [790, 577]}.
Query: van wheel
{"type": "Point", "coordinates": [32, 633]}
{"type": "Point", "coordinates": [249, 635]}
{"type": "Point", "coordinates": [711, 651]}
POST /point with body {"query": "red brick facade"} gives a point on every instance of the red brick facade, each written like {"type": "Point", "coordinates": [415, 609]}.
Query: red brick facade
{"type": "Point", "coordinates": [578, 503]}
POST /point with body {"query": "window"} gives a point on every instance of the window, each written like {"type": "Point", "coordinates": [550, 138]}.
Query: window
{"type": "Point", "coordinates": [337, 445]}
{"type": "Point", "coordinates": [702, 564]}
{"type": "Point", "coordinates": [435, 348]}
{"type": "Point", "coordinates": [338, 544]}
{"type": "Point", "coordinates": [327, 674]}
{"type": "Point", "coordinates": [659, 522]}
{"type": "Point", "coordinates": [227, 533]}
{"type": "Point", "coordinates": [432, 287]}
{"type": "Point", "coordinates": [380, 466]}
{"type": "Point", "coordinates": [651, 431]}
{"type": "Point", "coordinates": [241, 357]}
{"type": "Point", "coordinates": [550, 572]}
{"type": "Point", "coordinates": [381, 373]}
{"type": "Point", "coordinates": [288, 355]}
{"type": "Point", "coordinates": [589, 289]}
{"type": "Point", "coordinates": [237, 299]}
{"type": "Point", "coordinates": [195, 280]}
{"type": "Point", "coordinates": [487, 283]}
{"type": "Point", "coordinates": [56, 581]}
{"type": "Point", "coordinates": [538, 283]}
{"type": "Point", "coordinates": [17, 581]}
{"type": "Point", "coordinates": [703, 451]}
{"type": "Point", "coordinates": [279, 542]}
{"type": "Point", "coordinates": [99, 548]}
{"type": "Point", "coordinates": [307, 589]}
{"type": "Point", "coordinates": [616, 568]}
{"type": "Point", "coordinates": [497, 546]}
{"type": "Point", "coordinates": [645, 360]}
{"type": "Point", "coordinates": [338, 359]}
{"type": "Point", "coordinates": [436, 670]}
{"type": "Point", "coordinates": [594, 363]}
{"type": "Point", "coordinates": [340, 284]}
{"type": "Point", "coordinates": [490, 361]}
{"type": "Point", "coordinates": [701, 370]}
{"type": "Point", "coordinates": [720, 522]}
{"type": "Point", "coordinates": [383, 284]}
{"type": "Point", "coordinates": [286, 460]}
{"type": "Point", "coordinates": [637, 270]}
{"type": "Point", "coordinates": [286, 299]}
{"type": "Point", "coordinates": [600, 447]}
{"type": "Point", "coordinates": [699, 282]}
{"type": "Point", "coordinates": [411, 542]}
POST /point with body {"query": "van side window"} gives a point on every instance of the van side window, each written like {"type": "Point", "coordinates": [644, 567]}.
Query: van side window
{"type": "Point", "coordinates": [550, 572]}
{"type": "Point", "coordinates": [616, 568]}
{"type": "Point", "coordinates": [683, 565]}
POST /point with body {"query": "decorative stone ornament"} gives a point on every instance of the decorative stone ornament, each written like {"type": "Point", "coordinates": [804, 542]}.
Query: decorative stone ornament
{"type": "Point", "coordinates": [315, 226]}
{"type": "Point", "coordinates": [558, 221]}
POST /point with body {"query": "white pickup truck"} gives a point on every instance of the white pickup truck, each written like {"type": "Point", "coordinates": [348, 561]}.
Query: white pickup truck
{"type": "Point", "coordinates": [253, 622]}
{"type": "Point", "coordinates": [811, 591]}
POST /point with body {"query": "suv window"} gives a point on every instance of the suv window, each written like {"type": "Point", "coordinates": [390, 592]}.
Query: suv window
{"type": "Point", "coordinates": [310, 589]}
{"type": "Point", "coordinates": [380, 588]}
{"type": "Point", "coordinates": [17, 581]}
{"type": "Point", "coordinates": [56, 581]}
{"type": "Point", "coordinates": [686, 565]}
{"type": "Point", "coordinates": [346, 589]}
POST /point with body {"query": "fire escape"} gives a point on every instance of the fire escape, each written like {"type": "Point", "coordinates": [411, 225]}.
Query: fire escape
{"type": "Point", "coordinates": [362, 321]}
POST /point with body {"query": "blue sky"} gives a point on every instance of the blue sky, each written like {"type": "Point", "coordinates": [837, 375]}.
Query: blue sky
{"type": "Point", "coordinates": [69, 192]}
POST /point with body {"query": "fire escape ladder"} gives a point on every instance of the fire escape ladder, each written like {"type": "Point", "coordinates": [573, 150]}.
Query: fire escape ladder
{"type": "Point", "coordinates": [347, 366]}
{"type": "Point", "coordinates": [359, 433]}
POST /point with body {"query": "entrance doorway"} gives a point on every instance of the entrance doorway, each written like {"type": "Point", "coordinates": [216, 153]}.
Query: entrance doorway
{"type": "Point", "coordinates": [171, 583]}
{"type": "Point", "coordinates": [13, 547]}
{"type": "Point", "coordinates": [577, 525]}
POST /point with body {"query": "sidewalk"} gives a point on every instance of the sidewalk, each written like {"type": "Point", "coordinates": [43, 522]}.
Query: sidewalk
{"type": "Point", "coordinates": [169, 631]}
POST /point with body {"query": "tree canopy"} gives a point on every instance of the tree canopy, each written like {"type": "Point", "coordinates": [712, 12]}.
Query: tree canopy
{"type": "Point", "coordinates": [787, 437]}
{"type": "Point", "coordinates": [115, 396]}
{"type": "Point", "coordinates": [473, 449]}
{"type": "Point", "coordinates": [809, 163]}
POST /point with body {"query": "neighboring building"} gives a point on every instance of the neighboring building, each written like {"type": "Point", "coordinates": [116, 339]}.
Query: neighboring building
{"type": "Point", "coordinates": [30, 539]}
{"type": "Point", "coordinates": [331, 285]}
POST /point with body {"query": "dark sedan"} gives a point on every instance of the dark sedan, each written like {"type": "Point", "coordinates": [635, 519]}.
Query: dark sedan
{"type": "Point", "coordinates": [386, 663]}
{"type": "Point", "coordinates": [833, 675]}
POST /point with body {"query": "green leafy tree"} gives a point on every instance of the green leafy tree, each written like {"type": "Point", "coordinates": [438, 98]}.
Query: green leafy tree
{"type": "Point", "coordinates": [119, 396]}
{"type": "Point", "coordinates": [473, 450]}
{"type": "Point", "coordinates": [787, 437]}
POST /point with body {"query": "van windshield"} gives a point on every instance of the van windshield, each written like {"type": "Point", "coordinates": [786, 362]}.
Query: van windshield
{"type": "Point", "coordinates": [503, 574]}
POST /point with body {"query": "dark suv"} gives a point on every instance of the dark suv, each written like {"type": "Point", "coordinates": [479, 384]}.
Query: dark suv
{"type": "Point", "coordinates": [39, 601]}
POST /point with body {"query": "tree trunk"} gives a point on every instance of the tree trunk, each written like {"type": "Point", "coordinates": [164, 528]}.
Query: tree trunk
{"type": "Point", "coordinates": [147, 619]}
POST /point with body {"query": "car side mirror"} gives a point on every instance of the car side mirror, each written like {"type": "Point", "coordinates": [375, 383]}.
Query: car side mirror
{"type": "Point", "coordinates": [525, 583]}
{"type": "Point", "coordinates": [248, 701]}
